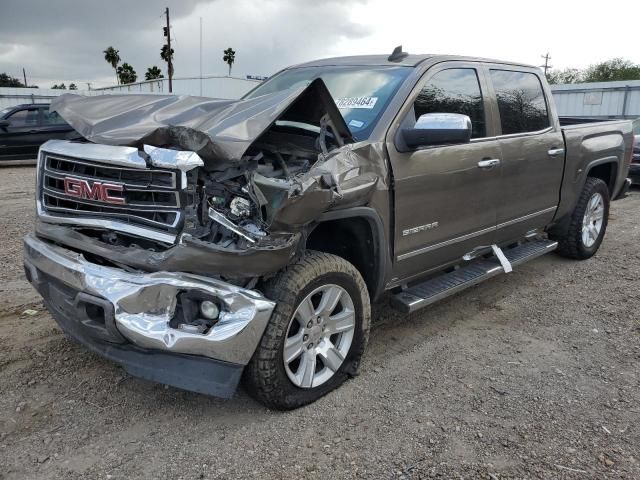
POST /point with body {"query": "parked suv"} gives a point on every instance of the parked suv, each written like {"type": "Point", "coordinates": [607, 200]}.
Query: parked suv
{"type": "Point", "coordinates": [23, 128]}
{"type": "Point", "coordinates": [198, 241]}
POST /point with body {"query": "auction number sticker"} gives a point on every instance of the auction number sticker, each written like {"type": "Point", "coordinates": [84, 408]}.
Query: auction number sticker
{"type": "Point", "coordinates": [357, 102]}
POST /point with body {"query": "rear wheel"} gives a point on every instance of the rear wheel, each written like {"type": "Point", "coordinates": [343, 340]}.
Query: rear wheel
{"type": "Point", "coordinates": [588, 222]}
{"type": "Point", "coordinates": [316, 335]}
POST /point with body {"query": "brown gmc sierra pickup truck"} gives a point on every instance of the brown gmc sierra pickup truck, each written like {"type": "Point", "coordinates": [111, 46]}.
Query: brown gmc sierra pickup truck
{"type": "Point", "coordinates": [198, 242]}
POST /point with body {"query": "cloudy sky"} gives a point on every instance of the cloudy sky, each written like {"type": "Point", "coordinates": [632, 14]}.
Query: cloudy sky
{"type": "Point", "coordinates": [63, 40]}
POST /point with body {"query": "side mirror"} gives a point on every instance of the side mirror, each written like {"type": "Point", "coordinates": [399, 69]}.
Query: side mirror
{"type": "Point", "coordinates": [438, 129]}
{"type": "Point", "coordinates": [4, 123]}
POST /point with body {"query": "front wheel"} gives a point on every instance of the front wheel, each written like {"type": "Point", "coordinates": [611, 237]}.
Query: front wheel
{"type": "Point", "coordinates": [316, 335]}
{"type": "Point", "coordinates": [588, 222]}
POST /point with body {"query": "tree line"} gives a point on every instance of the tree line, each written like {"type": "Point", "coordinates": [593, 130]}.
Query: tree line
{"type": "Point", "coordinates": [7, 80]}
{"type": "Point", "coordinates": [608, 71]}
{"type": "Point", "coordinates": [125, 73]}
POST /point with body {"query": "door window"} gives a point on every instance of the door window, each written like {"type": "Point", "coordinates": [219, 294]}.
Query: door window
{"type": "Point", "coordinates": [456, 90]}
{"type": "Point", "coordinates": [24, 118]}
{"type": "Point", "coordinates": [521, 101]}
{"type": "Point", "coordinates": [52, 118]}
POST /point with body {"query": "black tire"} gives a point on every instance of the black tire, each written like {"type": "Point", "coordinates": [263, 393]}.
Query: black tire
{"type": "Point", "coordinates": [265, 377]}
{"type": "Point", "coordinates": [570, 244]}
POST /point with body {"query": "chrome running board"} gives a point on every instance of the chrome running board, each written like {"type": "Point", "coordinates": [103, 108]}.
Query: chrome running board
{"type": "Point", "coordinates": [446, 284]}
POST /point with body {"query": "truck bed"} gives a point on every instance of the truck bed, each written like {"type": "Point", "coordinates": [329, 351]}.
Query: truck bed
{"type": "Point", "coordinates": [569, 121]}
{"type": "Point", "coordinates": [587, 145]}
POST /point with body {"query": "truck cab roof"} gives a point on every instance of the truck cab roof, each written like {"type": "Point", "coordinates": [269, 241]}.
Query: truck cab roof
{"type": "Point", "coordinates": [407, 59]}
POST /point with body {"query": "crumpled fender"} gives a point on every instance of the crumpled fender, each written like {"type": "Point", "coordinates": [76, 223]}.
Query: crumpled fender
{"type": "Point", "coordinates": [344, 178]}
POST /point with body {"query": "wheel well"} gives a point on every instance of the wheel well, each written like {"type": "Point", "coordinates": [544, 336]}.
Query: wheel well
{"type": "Point", "coordinates": [605, 172]}
{"type": "Point", "coordinates": [351, 239]}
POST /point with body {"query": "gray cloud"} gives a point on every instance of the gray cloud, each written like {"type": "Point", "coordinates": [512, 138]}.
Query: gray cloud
{"type": "Point", "coordinates": [64, 40]}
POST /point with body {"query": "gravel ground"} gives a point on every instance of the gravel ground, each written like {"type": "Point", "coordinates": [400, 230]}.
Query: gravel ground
{"type": "Point", "coordinates": [534, 374]}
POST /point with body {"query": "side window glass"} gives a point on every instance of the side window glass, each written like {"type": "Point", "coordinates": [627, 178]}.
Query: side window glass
{"type": "Point", "coordinates": [521, 101]}
{"type": "Point", "coordinates": [456, 90]}
{"type": "Point", "coordinates": [24, 118]}
{"type": "Point", "coordinates": [52, 118]}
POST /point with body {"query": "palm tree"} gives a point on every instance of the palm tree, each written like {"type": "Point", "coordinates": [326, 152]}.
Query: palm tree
{"type": "Point", "coordinates": [153, 73]}
{"type": "Point", "coordinates": [229, 57]}
{"type": "Point", "coordinates": [111, 55]}
{"type": "Point", "coordinates": [126, 73]}
{"type": "Point", "coordinates": [73, 86]}
{"type": "Point", "coordinates": [166, 56]}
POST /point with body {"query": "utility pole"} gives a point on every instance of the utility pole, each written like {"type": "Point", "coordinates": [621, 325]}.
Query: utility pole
{"type": "Point", "coordinates": [170, 62]}
{"type": "Point", "coordinates": [200, 56]}
{"type": "Point", "coordinates": [24, 74]}
{"type": "Point", "coordinates": [89, 85]}
{"type": "Point", "coordinates": [546, 65]}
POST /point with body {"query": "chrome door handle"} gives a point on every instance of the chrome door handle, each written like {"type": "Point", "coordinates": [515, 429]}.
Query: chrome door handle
{"type": "Point", "coordinates": [489, 163]}
{"type": "Point", "coordinates": [555, 152]}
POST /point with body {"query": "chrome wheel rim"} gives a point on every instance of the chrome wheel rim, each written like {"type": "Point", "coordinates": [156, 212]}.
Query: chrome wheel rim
{"type": "Point", "coordinates": [319, 336]}
{"type": "Point", "coordinates": [592, 220]}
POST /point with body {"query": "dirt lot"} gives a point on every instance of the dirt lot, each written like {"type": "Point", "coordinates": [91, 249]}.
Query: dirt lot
{"type": "Point", "coordinates": [534, 374]}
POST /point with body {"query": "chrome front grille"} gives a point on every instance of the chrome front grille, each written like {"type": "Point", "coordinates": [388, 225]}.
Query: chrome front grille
{"type": "Point", "coordinates": [151, 197]}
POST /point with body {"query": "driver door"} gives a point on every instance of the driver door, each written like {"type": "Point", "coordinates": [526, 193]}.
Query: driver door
{"type": "Point", "coordinates": [445, 196]}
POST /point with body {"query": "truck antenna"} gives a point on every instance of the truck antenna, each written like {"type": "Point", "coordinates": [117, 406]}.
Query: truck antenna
{"type": "Point", "coordinates": [397, 54]}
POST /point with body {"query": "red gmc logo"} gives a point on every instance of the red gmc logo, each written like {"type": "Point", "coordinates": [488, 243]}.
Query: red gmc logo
{"type": "Point", "coordinates": [76, 187]}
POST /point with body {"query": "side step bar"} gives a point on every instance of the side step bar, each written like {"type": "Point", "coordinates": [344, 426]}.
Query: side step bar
{"type": "Point", "coordinates": [446, 284]}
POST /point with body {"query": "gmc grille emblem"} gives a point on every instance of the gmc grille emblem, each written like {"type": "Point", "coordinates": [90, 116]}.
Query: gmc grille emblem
{"type": "Point", "coordinates": [75, 187]}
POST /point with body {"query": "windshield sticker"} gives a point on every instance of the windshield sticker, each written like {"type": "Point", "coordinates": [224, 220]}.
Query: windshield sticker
{"type": "Point", "coordinates": [356, 123]}
{"type": "Point", "coordinates": [356, 102]}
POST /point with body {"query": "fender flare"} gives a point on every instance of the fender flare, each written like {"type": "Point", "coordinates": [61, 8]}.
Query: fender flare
{"type": "Point", "coordinates": [561, 224]}
{"type": "Point", "coordinates": [603, 161]}
{"type": "Point", "coordinates": [377, 233]}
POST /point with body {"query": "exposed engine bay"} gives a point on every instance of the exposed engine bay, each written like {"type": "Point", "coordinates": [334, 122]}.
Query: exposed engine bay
{"type": "Point", "coordinates": [255, 203]}
{"type": "Point", "coordinates": [254, 175]}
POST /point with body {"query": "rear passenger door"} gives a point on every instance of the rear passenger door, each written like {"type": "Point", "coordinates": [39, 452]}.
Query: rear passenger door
{"type": "Point", "coordinates": [532, 149]}
{"type": "Point", "coordinates": [53, 126]}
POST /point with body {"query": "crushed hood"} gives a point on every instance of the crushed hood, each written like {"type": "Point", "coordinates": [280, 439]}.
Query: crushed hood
{"type": "Point", "coordinates": [219, 131]}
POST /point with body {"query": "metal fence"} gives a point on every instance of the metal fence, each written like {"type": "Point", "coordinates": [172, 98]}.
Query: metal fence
{"type": "Point", "coordinates": [212, 86]}
{"type": "Point", "coordinates": [598, 100]}
{"type": "Point", "coordinates": [16, 96]}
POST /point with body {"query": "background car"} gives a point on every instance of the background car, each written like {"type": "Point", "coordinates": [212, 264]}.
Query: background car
{"type": "Point", "coordinates": [23, 128]}
{"type": "Point", "coordinates": [634, 168]}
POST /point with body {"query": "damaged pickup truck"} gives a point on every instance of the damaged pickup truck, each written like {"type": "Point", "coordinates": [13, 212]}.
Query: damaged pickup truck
{"type": "Point", "coordinates": [198, 241]}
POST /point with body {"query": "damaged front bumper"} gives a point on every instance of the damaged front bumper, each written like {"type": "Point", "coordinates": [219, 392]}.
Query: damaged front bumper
{"type": "Point", "coordinates": [123, 315]}
{"type": "Point", "coordinates": [189, 255]}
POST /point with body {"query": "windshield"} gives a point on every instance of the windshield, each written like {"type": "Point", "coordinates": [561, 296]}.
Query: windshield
{"type": "Point", "coordinates": [361, 93]}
